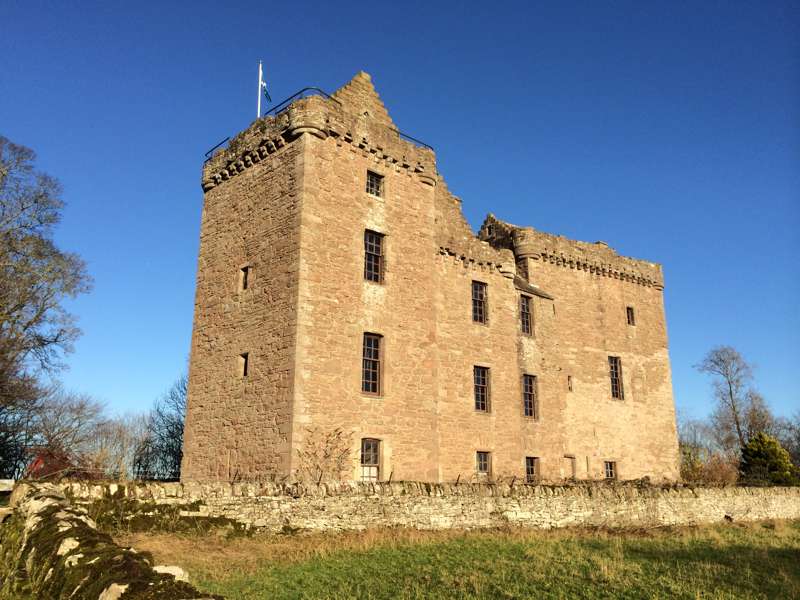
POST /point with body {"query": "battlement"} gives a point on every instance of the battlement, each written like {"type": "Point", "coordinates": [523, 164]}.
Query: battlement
{"type": "Point", "coordinates": [595, 258]}
{"type": "Point", "coordinates": [354, 114]}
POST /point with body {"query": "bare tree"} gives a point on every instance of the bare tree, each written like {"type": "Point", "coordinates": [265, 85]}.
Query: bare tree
{"type": "Point", "coordinates": [694, 445]}
{"type": "Point", "coordinates": [112, 452]}
{"type": "Point", "coordinates": [17, 425]}
{"type": "Point", "coordinates": [35, 278]}
{"type": "Point", "coordinates": [159, 452]}
{"type": "Point", "coordinates": [731, 380]}
{"type": "Point", "coordinates": [702, 458]}
{"type": "Point", "coordinates": [68, 422]}
{"type": "Point", "coordinates": [35, 275]}
{"type": "Point", "coordinates": [789, 436]}
{"type": "Point", "coordinates": [325, 455]}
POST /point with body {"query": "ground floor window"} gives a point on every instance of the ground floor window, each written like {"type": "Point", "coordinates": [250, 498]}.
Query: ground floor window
{"type": "Point", "coordinates": [483, 464]}
{"type": "Point", "coordinates": [370, 459]}
{"type": "Point", "coordinates": [531, 468]}
{"type": "Point", "coordinates": [611, 469]}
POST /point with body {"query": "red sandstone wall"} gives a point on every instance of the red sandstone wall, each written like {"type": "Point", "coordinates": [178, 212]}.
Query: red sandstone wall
{"type": "Point", "coordinates": [240, 428]}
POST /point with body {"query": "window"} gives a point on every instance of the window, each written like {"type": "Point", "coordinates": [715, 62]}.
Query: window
{"type": "Point", "coordinates": [569, 383]}
{"type": "Point", "coordinates": [530, 409]}
{"type": "Point", "coordinates": [615, 371]}
{"type": "Point", "coordinates": [244, 278]}
{"type": "Point", "coordinates": [610, 469]}
{"type": "Point", "coordinates": [571, 471]}
{"type": "Point", "coordinates": [531, 468]}
{"type": "Point", "coordinates": [370, 459]}
{"type": "Point", "coordinates": [374, 184]}
{"type": "Point", "coordinates": [525, 314]}
{"type": "Point", "coordinates": [483, 464]}
{"type": "Point", "coordinates": [371, 365]}
{"type": "Point", "coordinates": [481, 376]}
{"type": "Point", "coordinates": [244, 364]}
{"type": "Point", "coordinates": [479, 302]}
{"type": "Point", "coordinates": [630, 314]}
{"type": "Point", "coordinates": [373, 256]}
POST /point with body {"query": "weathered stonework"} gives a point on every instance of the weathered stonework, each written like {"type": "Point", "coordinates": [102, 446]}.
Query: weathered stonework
{"type": "Point", "coordinates": [288, 199]}
{"type": "Point", "coordinates": [357, 506]}
{"type": "Point", "coordinates": [52, 549]}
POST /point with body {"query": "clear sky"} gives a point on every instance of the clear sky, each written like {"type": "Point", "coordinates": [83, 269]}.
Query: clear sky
{"type": "Point", "coordinates": [670, 130]}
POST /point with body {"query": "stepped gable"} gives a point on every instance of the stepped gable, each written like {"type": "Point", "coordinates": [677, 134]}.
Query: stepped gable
{"type": "Point", "coordinates": [353, 115]}
{"type": "Point", "coordinates": [595, 258]}
{"type": "Point", "coordinates": [360, 96]}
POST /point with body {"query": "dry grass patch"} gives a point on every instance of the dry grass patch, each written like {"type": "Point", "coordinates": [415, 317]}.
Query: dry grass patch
{"type": "Point", "coordinates": [755, 560]}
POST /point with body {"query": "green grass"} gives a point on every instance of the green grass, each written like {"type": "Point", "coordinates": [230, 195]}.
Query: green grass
{"type": "Point", "coordinates": [760, 560]}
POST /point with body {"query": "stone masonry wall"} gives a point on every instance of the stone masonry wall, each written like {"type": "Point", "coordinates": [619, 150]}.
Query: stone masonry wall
{"type": "Point", "coordinates": [236, 426]}
{"type": "Point", "coordinates": [441, 506]}
{"type": "Point", "coordinates": [576, 333]}
{"type": "Point", "coordinates": [288, 198]}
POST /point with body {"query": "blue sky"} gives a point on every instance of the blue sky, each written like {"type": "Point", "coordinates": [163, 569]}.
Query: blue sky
{"type": "Point", "coordinates": [670, 130]}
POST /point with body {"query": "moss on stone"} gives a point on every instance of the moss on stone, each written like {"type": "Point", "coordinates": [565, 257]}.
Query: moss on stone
{"type": "Point", "coordinates": [44, 566]}
{"type": "Point", "coordinates": [117, 513]}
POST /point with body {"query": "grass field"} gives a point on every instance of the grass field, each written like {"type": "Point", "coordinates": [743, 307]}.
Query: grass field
{"type": "Point", "coordinates": [756, 560]}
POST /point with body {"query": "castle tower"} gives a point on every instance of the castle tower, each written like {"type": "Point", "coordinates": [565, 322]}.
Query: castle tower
{"type": "Point", "coordinates": [341, 291]}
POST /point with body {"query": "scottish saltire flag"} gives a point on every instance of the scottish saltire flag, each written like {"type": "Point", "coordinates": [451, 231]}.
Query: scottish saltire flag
{"type": "Point", "coordinates": [266, 93]}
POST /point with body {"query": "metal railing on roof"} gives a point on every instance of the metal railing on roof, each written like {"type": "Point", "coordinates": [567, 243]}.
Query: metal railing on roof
{"type": "Point", "coordinates": [305, 93]}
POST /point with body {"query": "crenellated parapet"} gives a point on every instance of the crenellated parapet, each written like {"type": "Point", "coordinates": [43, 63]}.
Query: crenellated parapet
{"type": "Point", "coordinates": [353, 115]}
{"type": "Point", "coordinates": [594, 258]}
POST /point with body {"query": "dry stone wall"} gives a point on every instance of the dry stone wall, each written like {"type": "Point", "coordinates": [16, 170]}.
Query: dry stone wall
{"type": "Point", "coordinates": [51, 549]}
{"type": "Point", "coordinates": [359, 506]}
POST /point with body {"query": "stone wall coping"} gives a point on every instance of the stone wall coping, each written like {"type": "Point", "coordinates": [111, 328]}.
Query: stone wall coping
{"type": "Point", "coordinates": [190, 491]}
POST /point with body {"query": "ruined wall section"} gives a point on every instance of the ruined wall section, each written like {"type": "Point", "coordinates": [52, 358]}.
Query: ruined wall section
{"type": "Point", "coordinates": [593, 286]}
{"type": "Point", "coordinates": [240, 427]}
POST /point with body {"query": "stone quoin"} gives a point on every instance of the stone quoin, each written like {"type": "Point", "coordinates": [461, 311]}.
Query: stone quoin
{"type": "Point", "coordinates": [339, 286]}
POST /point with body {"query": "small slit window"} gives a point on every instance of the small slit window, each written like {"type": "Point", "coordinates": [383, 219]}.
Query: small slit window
{"type": "Point", "coordinates": [569, 383]}
{"type": "Point", "coordinates": [244, 278]}
{"type": "Point", "coordinates": [374, 184]}
{"type": "Point", "coordinates": [631, 316]}
{"type": "Point", "coordinates": [244, 364]}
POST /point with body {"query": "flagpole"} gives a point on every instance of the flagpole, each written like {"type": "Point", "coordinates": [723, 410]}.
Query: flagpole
{"type": "Point", "coordinates": [258, 110]}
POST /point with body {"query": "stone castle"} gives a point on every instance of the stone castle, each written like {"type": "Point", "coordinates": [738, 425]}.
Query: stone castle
{"type": "Point", "coordinates": [340, 288]}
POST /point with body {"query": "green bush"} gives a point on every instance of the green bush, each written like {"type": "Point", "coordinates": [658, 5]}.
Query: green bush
{"type": "Point", "coordinates": [765, 461]}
